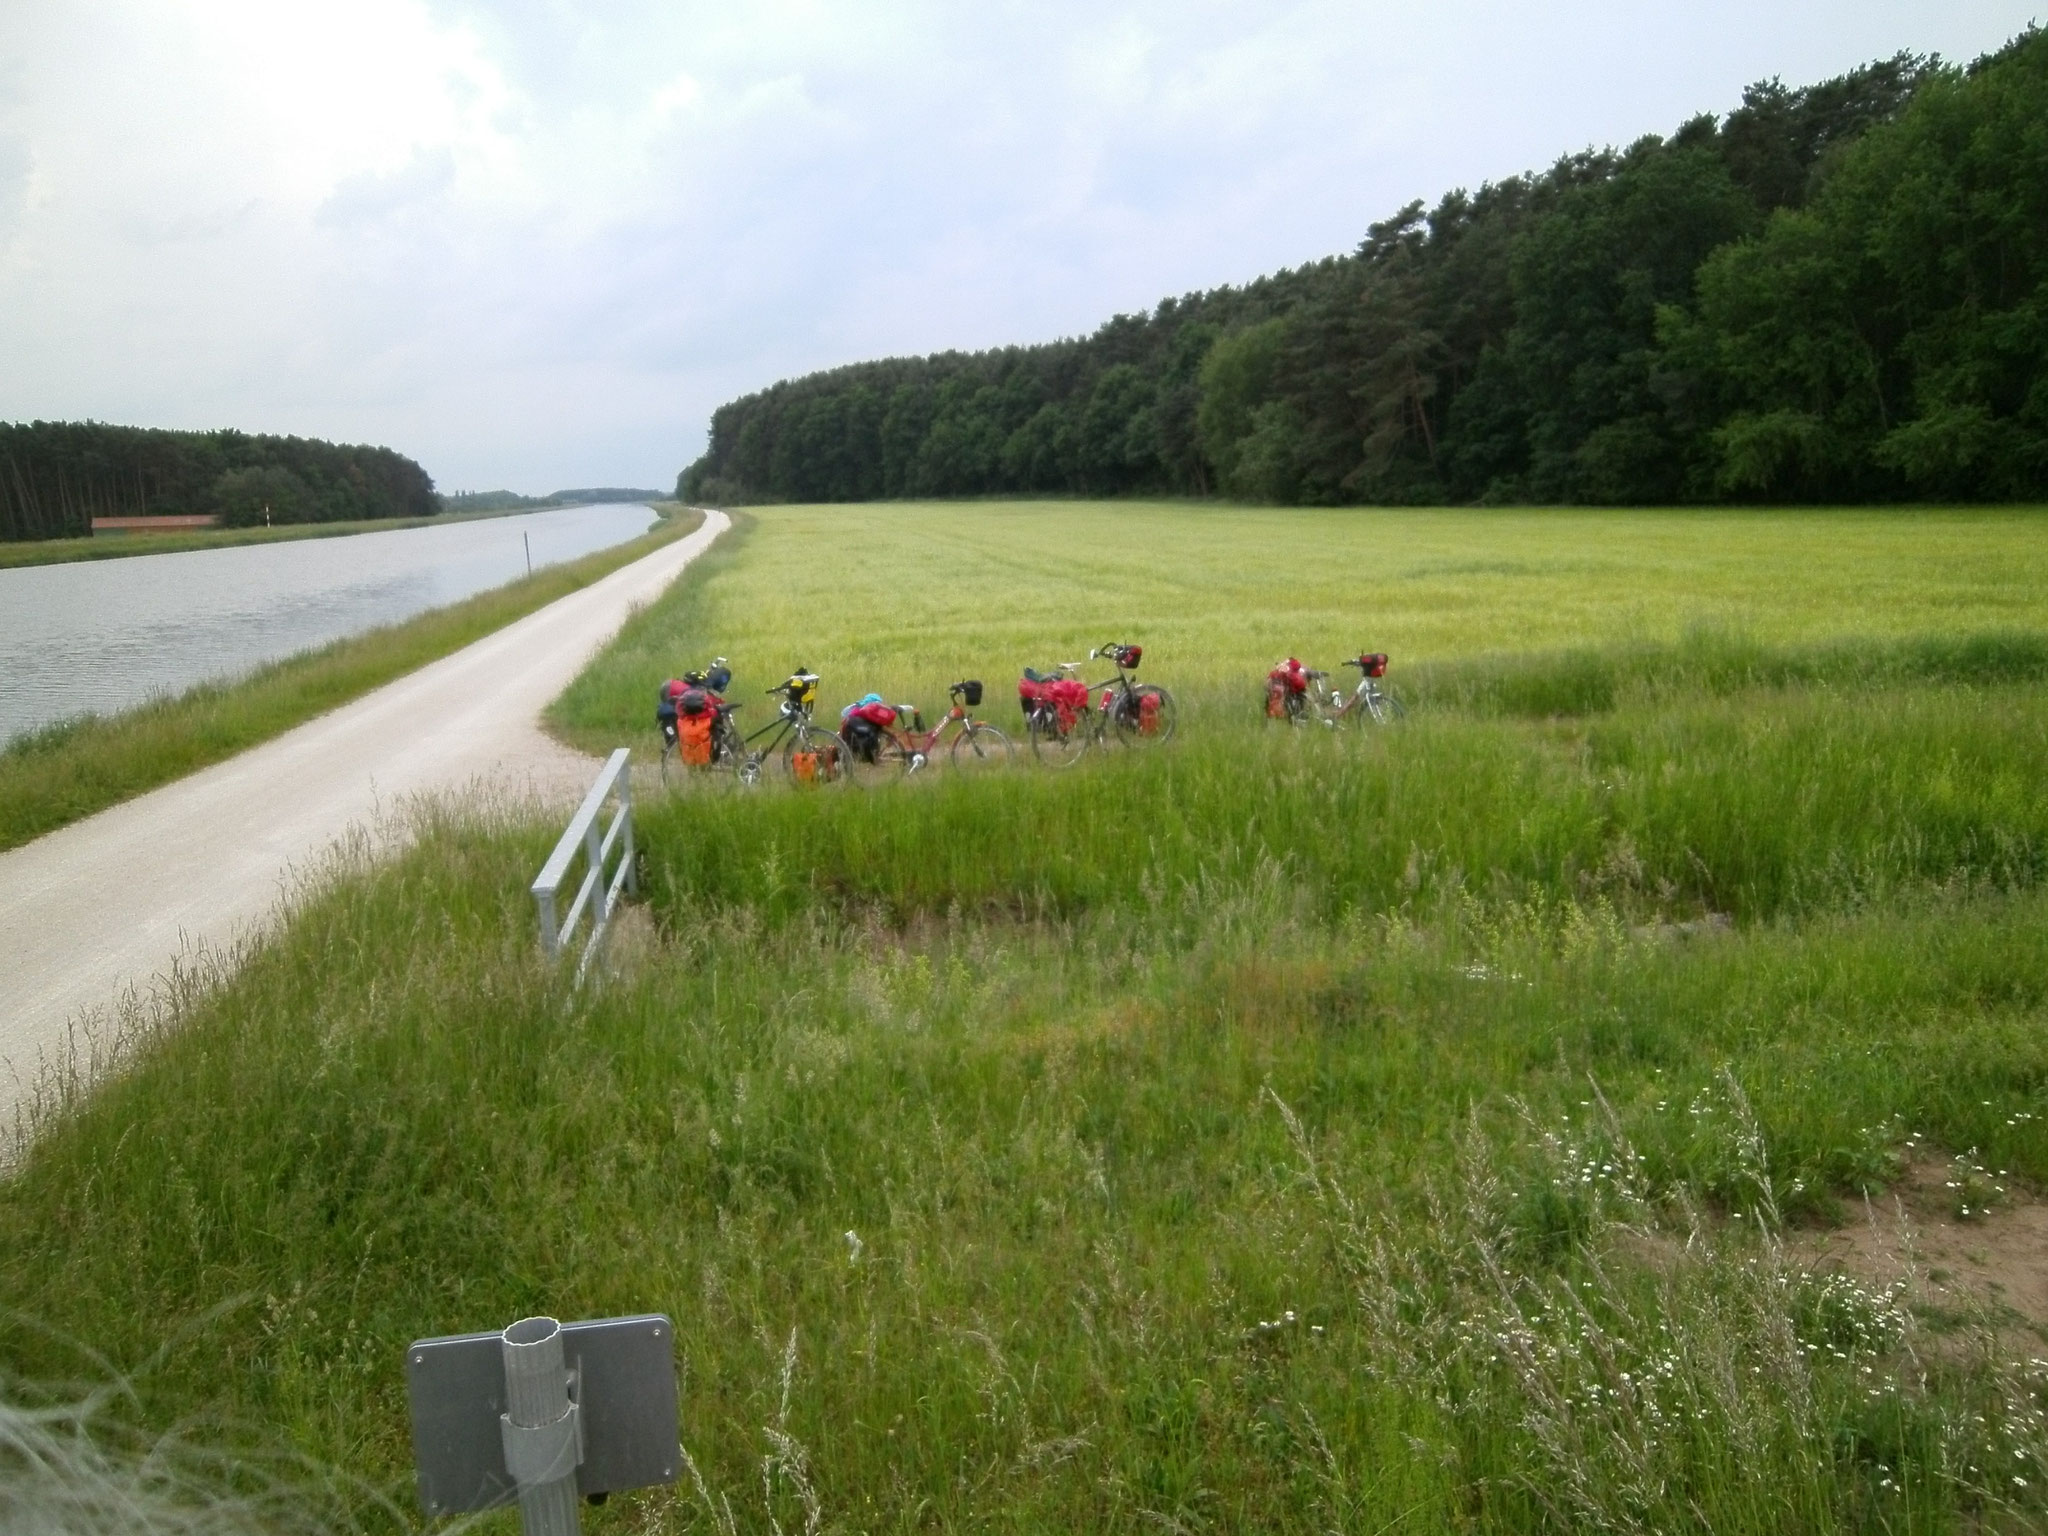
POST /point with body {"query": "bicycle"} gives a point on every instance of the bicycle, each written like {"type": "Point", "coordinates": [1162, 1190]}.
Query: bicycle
{"type": "Point", "coordinates": [728, 750]}
{"type": "Point", "coordinates": [1138, 714]}
{"type": "Point", "coordinates": [808, 753]}
{"type": "Point", "coordinates": [897, 749]}
{"type": "Point", "coordinates": [685, 704]}
{"type": "Point", "coordinates": [1368, 700]}
{"type": "Point", "coordinates": [1296, 694]}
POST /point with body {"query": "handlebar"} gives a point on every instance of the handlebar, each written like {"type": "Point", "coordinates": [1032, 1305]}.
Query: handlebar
{"type": "Point", "coordinates": [1355, 662]}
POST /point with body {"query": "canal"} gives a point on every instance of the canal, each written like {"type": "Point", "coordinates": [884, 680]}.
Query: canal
{"type": "Point", "coordinates": [95, 636]}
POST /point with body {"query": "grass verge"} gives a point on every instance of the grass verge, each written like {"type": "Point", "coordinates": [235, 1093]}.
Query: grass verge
{"type": "Point", "coordinates": [1232, 1217]}
{"type": "Point", "coordinates": [67, 771]}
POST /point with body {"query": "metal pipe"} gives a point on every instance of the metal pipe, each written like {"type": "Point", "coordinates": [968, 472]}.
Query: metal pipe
{"type": "Point", "coordinates": [543, 1440]}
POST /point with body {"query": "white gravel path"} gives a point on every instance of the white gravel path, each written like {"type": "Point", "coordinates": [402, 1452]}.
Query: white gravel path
{"type": "Point", "coordinates": [103, 909]}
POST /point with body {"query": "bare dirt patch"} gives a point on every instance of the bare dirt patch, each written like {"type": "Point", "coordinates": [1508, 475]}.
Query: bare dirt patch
{"type": "Point", "coordinates": [1991, 1265]}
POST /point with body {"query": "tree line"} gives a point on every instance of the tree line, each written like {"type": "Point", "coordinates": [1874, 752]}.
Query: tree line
{"type": "Point", "coordinates": [1834, 293]}
{"type": "Point", "coordinates": [512, 501]}
{"type": "Point", "coordinates": [57, 476]}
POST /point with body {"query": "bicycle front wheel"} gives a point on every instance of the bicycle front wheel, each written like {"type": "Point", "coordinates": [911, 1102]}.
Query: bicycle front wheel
{"type": "Point", "coordinates": [1144, 717]}
{"type": "Point", "coordinates": [1052, 746]}
{"type": "Point", "coordinates": [1386, 709]}
{"type": "Point", "coordinates": [982, 747]}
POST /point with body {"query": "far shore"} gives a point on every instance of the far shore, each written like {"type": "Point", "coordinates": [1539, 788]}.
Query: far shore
{"type": "Point", "coordinates": [116, 546]}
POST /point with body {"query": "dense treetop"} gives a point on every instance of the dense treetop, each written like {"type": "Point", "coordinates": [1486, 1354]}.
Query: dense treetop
{"type": "Point", "coordinates": [57, 476]}
{"type": "Point", "coordinates": [1833, 293]}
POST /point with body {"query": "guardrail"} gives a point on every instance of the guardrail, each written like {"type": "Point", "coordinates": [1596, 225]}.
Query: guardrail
{"type": "Point", "coordinates": [596, 893]}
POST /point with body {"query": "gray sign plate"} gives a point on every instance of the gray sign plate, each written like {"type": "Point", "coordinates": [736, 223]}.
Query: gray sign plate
{"type": "Point", "coordinates": [626, 1397]}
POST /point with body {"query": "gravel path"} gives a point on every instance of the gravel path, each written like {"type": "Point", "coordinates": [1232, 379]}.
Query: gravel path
{"type": "Point", "coordinates": [104, 908]}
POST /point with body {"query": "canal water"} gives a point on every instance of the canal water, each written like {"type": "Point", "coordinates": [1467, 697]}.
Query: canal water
{"type": "Point", "coordinates": [102, 635]}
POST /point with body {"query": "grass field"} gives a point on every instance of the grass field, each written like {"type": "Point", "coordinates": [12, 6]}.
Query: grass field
{"type": "Point", "coordinates": [906, 598]}
{"type": "Point", "coordinates": [1412, 1131]}
{"type": "Point", "coordinates": [67, 771]}
{"type": "Point", "coordinates": [116, 546]}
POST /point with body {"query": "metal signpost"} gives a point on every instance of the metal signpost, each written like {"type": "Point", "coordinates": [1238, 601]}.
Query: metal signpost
{"type": "Point", "coordinates": [543, 1413]}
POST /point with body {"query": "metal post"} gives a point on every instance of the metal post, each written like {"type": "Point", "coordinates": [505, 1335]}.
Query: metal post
{"type": "Point", "coordinates": [626, 810]}
{"type": "Point", "coordinates": [543, 1437]}
{"type": "Point", "coordinates": [593, 855]}
{"type": "Point", "coordinates": [550, 934]}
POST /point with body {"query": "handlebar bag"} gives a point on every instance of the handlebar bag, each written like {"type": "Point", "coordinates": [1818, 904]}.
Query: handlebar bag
{"type": "Point", "coordinates": [1375, 664]}
{"type": "Point", "coordinates": [1127, 656]}
{"type": "Point", "coordinates": [971, 692]}
{"type": "Point", "coordinates": [718, 679]}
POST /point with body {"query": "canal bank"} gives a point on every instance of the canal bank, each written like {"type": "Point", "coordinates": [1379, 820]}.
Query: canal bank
{"type": "Point", "coordinates": [65, 773]}
{"type": "Point", "coordinates": [120, 906]}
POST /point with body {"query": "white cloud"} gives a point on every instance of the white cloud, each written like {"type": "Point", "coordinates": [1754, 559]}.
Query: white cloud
{"type": "Point", "coordinates": [535, 243]}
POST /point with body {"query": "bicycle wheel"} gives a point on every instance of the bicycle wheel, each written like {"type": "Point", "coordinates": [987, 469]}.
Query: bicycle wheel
{"type": "Point", "coordinates": [1050, 745]}
{"type": "Point", "coordinates": [891, 761]}
{"type": "Point", "coordinates": [731, 754]}
{"type": "Point", "coordinates": [827, 754]}
{"type": "Point", "coordinates": [981, 747]}
{"type": "Point", "coordinates": [1142, 724]}
{"type": "Point", "coordinates": [1386, 709]}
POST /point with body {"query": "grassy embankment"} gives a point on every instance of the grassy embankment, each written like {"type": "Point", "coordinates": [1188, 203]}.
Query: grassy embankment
{"type": "Point", "coordinates": [67, 771]}
{"type": "Point", "coordinates": [116, 546]}
{"type": "Point", "coordinates": [1281, 1131]}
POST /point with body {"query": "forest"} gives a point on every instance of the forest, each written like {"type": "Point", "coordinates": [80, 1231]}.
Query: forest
{"type": "Point", "coordinates": [1832, 294]}
{"type": "Point", "coordinates": [512, 501]}
{"type": "Point", "coordinates": [57, 476]}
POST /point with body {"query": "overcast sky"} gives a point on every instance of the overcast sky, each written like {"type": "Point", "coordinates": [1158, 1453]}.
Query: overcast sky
{"type": "Point", "coordinates": [533, 244]}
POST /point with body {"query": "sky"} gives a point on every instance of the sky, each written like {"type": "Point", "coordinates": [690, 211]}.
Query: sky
{"type": "Point", "coordinates": [534, 244]}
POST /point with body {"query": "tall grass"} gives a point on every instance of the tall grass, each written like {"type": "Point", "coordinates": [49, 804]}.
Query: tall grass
{"type": "Point", "coordinates": [1757, 807]}
{"type": "Point", "coordinates": [67, 771]}
{"type": "Point", "coordinates": [1025, 1197]}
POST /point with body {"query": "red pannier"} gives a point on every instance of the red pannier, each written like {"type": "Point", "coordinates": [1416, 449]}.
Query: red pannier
{"type": "Point", "coordinates": [1148, 714]}
{"type": "Point", "coordinates": [1070, 698]}
{"type": "Point", "coordinates": [694, 733]}
{"type": "Point", "coordinates": [1287, 681]}
{"type": "Point", "coordinates": [1374, 663]}
{"type": "Point", "coordinates": [1066, 695]}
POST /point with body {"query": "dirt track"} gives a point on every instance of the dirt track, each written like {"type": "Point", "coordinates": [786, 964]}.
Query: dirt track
{"type": "Point", "coordinates": [109, 904]}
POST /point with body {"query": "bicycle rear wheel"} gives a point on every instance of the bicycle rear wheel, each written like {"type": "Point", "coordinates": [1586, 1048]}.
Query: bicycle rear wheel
{"type": "Point", "coordinates": [981, 747]}
{"type": "Point", "coordinates": [1052, 746]}
{"type": "Point", "coordinates": [1142, 724]}
{"type": "Point", "coordinates": [825, 751]}
{"type": "Point", "coordinates": [890, 761]}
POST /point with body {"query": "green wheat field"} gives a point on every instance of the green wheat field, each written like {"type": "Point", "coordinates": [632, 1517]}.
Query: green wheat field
{"type": "Point", "coordinates": [1397, 1130]}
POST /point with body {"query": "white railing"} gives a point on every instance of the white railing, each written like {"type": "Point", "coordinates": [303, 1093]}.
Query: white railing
{"type": "Point", "coordinates": [596, 894]}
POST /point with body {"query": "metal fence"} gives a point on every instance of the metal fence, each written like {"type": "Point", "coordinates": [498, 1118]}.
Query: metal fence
{"type": "Point", "coordinates": [596, 894]}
